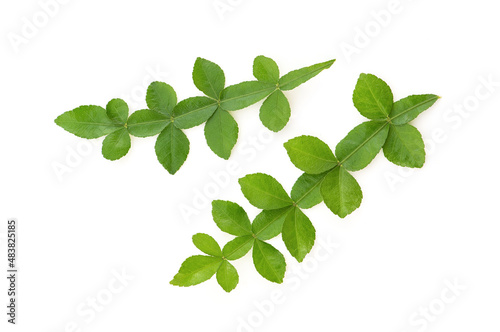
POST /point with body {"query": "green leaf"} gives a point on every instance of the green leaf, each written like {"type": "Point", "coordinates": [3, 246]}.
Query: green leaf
{"type": "Point", "coordinates": [372, 97]}
{"type": "Point", "coordinates": [221, 133]}
{"type": "Point", "coordinates": [341, 192]}
{"type": "Point", "coordinates": [207, 244]}
{"type": "Point", "coordinates": [238, 247]}
{"type": "Point", "coordinates": [117, 110]}
{"type": "Point", "coordinates": [145, 123]}
{"type": "Point", "coordinates": [231, 218]}
{"type": "Point", "coordinates": [407, 109]}
{"type": "Point", "coordinates": [194, 111]}
{"type": "Point", "coordinates": [87, 122]}
{"type": "Point", "coordinates": [268, 261]}
{"type": "Point", "coordinates": [208, 78]}
{"type": "Point", "coordinates": [264, 192]}
{"type": "Point", "coordinates": [238, 96]}
{"type": "Point", "coordinates": [266, 70]}
{"type": "Point", "coordinates": [227, 276]}
{"type": "Point", "coordinates": [298, 234]}
{"type": "Point", "coordinates": [295, 78]}
{"type": "Point", "coordinates": [275, 111]}
{"type": "Point", "coordinates": [310, 154]}
{"type": "Point", "coordinates": [196, 269]}
{"type": "Point", "coordinates": [306, 190]}
{"type": "Point", "coordinates": [116, 144]}
{"type": "Point", "coordinates": [362, 144]}
{"type": "Point", "coordinates": [172, 148]}
{"type": "Point", "coordinates": [405, 146]}
{"type": "Point", "coordinates": [161, 98]}
{"type": "Point", "coordinates": [269, 223]}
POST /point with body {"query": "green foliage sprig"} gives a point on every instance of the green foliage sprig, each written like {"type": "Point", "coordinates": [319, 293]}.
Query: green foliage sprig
{"type": "Point", "coordinates": [326, 178]}
{"type": "Point", "coordinates": [167, 118]}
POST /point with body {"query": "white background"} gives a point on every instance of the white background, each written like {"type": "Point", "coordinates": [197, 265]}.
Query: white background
{"type": "Point", "coordinates": [414, 234]}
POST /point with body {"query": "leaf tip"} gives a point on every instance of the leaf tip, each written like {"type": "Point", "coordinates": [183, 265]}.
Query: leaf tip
{"type": "Point", "coordinates": [175, 282]}
{"type": "Point", "coordinates": [57, 121]}
{"type": "Point", "coordinates": [172, 172]}
{"type": "Point", "coordinates": [330, 63]}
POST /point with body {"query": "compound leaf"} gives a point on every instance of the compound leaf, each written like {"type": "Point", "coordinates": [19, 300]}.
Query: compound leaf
{"type": "Point", "coordinates": [238, 247]}
{"type": "Point", "coordinates": [238, 96]}
{"type": "Point", "coordinates": [341, 192]}
{"type": "Point", "coordinates": [161, 98]}
{"type": "Point", "coordinates": [231, 218]}
{"type": "Point", "coordinates": [172, 148]}
{"type": "Point", "coordinates": [275, 111]}
{"type": "Point", "coordinates": [87, 122]}
{"type": "Point", "coordinates": [362, 144]}
{"type": "Point", "coordinates": [407, 109]}
{"type": "Point", "coordinates": [196, 269]}
{"type": "Point", "coordinates": [264, 192]}
{"type": "Point", "coordinates": [325, 179]}
{"type": "Point", "coordinates": [372, 97]}
{"type": "Point", "coordinates": [208, 78]}
{"type": "Point", "coordinates": [405, 146]}
{"type": "Point", "coordinates": [310, 154]}
{"type": "Point", "coordinates": [295, 78]}
{"type": "Point", "coordinates": [306, 190]}
{"type": "Point", "coordinates": [266, 70]}
{"type": "Point", "coordinates": [116, 144]}
{"type": "Point", "coordinates": [194, 111]}
{"type": "Point", "coordinates": [221, 133]}
{"type": "Point", "coordinates": [207, 244]}
{"type": "Point", "coordinates": [227, 276]}
{"type": "Point", "coordinates": [145, 123]}
{"type": "Point", "coordinates": [221, 130]}
{"type": "Point", "coordinates": [117, 110]}
{"type": "Point", "coordinates": [268, 261]}
{"type": "Point", "coordinates": [298, 234]}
